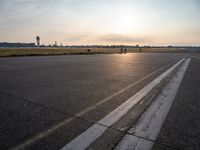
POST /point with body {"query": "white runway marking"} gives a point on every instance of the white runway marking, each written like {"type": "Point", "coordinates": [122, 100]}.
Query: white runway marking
{"type": "Point", "coordinates": [63, 123]}
{"type": "Point", "coordinates": [150, 123]}
{"type": "Point", "coordinates": [91, 134]}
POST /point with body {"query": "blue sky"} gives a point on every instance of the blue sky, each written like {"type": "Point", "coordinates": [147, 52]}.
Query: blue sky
{"type": "Point", "coordinates": [144, 22]}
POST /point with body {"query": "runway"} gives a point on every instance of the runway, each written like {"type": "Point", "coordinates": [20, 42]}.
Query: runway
{"type": "Point", "coordinates": [48, 101]}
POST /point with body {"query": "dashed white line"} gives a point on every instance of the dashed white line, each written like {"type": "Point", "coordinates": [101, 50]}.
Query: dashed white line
{"type": "Point", "coordinates": [95, 131]}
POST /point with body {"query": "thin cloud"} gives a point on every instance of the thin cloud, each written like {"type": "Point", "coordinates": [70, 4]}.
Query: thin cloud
{"type": "Point", "coordinates": [71, 1]}
{"type": "Point", "coordinates": [112, 38]}
{"type": "Point", "coordinates": [18, 12]}
{"type": "Point", "coordinates": [26, 0]}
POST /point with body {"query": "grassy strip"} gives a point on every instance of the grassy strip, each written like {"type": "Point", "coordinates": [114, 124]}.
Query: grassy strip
{"type": "Point", "coordinates": [8, 52]}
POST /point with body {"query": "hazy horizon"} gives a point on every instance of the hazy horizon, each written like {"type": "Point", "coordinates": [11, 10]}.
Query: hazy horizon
{"type": "Point", "coordinates": [101, 22]}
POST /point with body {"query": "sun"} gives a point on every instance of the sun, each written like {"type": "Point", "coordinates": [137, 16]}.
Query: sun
{"type": "Point", "coordinates": [125, 24]}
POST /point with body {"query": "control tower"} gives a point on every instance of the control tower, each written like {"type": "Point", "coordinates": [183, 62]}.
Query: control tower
{"type": "Point", "coordinates": [38, 41]}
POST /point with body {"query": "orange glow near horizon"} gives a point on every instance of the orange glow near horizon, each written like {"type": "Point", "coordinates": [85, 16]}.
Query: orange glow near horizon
{"type": "Point", "coordinates": [78, 22]}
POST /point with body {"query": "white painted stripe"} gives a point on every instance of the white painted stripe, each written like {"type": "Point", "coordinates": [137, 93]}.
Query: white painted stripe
{"type": "Point", "coordinates": [99, 103]}
{"type": "Point", "coordinates": [150, 123]}
{"type": "Point", "coordinates": [84, 139]}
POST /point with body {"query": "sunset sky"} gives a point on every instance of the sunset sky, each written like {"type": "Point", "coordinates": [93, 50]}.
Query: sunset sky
{"type": "Point", "coordinates": [76, 22]}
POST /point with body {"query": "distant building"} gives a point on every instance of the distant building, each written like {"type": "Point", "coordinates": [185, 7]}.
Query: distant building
{"type": "Point", "coordinates": [38, 41]}
{"type": "Point", "coordinates": [56, 44]}
{"type": "Point", "coordinates": [13, 45]}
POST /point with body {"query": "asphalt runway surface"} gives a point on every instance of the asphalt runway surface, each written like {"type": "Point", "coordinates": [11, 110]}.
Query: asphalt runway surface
{"type": "Point", "coordinates": [181, 127]}
{"type": "Point", "coordinates": [45, 102]}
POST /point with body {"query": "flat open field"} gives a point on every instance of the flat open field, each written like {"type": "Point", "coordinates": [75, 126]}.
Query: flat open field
{"type": "Point", "coordinates": [6, 52]}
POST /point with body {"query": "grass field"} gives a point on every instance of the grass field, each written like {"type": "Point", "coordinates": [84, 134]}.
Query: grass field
{"type": "Point", "coordinates": [8, 52]}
